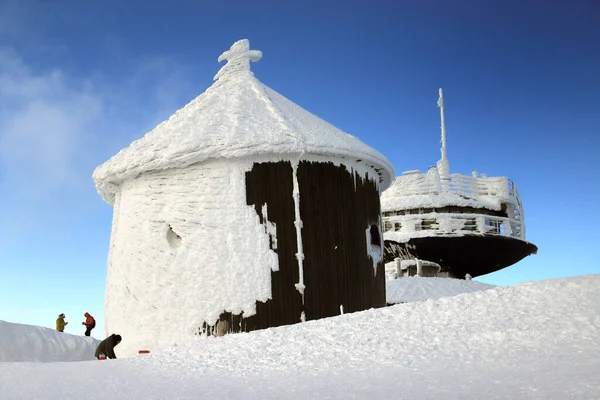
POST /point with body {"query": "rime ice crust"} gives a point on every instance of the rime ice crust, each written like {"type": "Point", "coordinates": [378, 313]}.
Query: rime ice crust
{"type": "Point", "coordinates": [236, 117]}
{"type": "Point", "coordinates": [185, 245]}
{"type": "Point", "coordinates": [164, 293]}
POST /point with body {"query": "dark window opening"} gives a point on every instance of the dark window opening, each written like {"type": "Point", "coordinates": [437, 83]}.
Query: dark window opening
{"type": "Point", "coordinates": [429, 224]}
{"type": "Point", "coordinates": [470, 225]}
{"type": "Point", "coordinates": [387, 226]}
{"type": "Point", "coordinates": [375, 237]}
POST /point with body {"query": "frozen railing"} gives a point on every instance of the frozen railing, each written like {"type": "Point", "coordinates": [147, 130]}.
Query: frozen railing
{"type": "Point", "coordinates": [418, 183]}
{"type": "Point", "coordinates": [431, 224]}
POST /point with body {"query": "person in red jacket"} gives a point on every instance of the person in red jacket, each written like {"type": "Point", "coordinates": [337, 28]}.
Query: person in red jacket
{"type": "Point", "coordinates": [90, 323]}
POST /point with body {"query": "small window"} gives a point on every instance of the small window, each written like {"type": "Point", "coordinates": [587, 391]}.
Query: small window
{"type": "Point", "coordinates": [494, 226]}
{"type": "Point", "coordinates": [387, 226]}
{"type": "Point", "coordinates": [470, 225]}
{"type": "Point", "coordinates": [429, 224]}
{"type": "Point", "coordinates": [375, 237]}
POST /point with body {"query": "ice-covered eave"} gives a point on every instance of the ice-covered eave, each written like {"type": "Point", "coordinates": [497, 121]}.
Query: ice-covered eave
{"type": "Point", "coordinates": [435, 201]}
{"type": "Point", "coordinates": [108, 180]}
{"type": "Point", "coordinates": [491, 190]}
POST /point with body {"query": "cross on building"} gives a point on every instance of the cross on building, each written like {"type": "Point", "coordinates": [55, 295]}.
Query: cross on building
{"type": "Point", "coordinates": [238, 59]}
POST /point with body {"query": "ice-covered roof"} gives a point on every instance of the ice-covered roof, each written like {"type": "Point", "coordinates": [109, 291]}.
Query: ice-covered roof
{"type": "Point", "coordinates": [238, 116]}
{"type": "Point", "coordinates": [415, 189]}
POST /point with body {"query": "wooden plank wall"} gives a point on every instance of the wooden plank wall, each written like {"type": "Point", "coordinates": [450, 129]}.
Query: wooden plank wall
{"type": "Point", "coordinates": [337, 208]}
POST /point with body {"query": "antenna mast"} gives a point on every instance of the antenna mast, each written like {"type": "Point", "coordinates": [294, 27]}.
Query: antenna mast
{"type": "Point", "coordinates": [443, 165]}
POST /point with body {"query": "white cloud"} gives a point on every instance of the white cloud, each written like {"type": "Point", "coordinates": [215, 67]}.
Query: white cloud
{"type": "Point", "coordinates": [44, 123]}
{"type": "Point", "coordinates": [54, 129]}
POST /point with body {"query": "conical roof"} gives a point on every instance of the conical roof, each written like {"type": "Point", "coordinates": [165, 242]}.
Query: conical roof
{"type": "Point", "coordinates": [237, 116]}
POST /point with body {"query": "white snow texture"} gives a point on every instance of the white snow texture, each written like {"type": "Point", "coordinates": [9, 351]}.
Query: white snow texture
{"type": "Point", "coordinates": [535, 340]}
{"type": "Point", "coordinates": [416, 288]}
{"type": "Point", "coordinates": [26, 343]}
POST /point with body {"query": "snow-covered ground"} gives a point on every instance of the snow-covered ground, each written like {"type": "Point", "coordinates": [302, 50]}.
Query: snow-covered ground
{"type": "Point", "coordinates": [530, 341]}
{"type": "Point", "coordinates": [404, 290]}
{"type": "Point", "coordinates": [19, 342]}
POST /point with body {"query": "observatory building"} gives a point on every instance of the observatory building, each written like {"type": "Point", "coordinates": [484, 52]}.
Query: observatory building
{"type": "Point", "coordinates": [466, 224]}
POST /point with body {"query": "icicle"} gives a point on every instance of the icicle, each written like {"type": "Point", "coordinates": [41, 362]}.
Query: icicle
{"type": "Point", "coordinates": [298, 224]}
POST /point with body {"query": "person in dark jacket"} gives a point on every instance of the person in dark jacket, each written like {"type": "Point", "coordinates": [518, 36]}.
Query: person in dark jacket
{"type": "Point", "coordinates": [107, 347]}
{"type": "Point", "coordinates": [90, 323]}
{"type": "Point", "coordinates": [60, 323]}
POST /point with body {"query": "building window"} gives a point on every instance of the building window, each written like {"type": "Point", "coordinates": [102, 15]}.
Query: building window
{"type": "Point", "coordinates": [516, 230]}
{"type": "Point", "coordinates": [375, 237]}
{"type": "Point", "coordinates": [397, 226]}
{"type": "Point", "coordinates": [387, 226]}
{"type": "Point", "coordinates": [428, 224]}
{"type": "Point", "coordinates": [493, 226]}
{"type": "Point", "coordinates": [470, 225]}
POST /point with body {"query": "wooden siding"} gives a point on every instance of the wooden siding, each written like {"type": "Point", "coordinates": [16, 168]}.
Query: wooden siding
{"type": "Point", "coordinates": [272, 183]}
{"type": "Point", "coordinates": [336, 208]}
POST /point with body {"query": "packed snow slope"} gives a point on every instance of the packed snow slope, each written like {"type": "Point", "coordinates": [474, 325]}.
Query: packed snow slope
{"type": "Point", "coordinates": [20, 342]}
{"type": "Point", "coordinates": [529, 341]}
{"type": "Point", "coordinates": [415, 288]}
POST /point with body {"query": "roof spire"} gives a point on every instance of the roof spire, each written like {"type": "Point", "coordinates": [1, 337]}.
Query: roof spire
{"type": "Point", "coordinates": [443, 165]}
{"type": "Point", "coordinates": [238, 59]}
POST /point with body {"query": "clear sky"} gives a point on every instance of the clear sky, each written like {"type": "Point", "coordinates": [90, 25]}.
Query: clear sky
{"type": "Point", "coordinates": [79, 80]}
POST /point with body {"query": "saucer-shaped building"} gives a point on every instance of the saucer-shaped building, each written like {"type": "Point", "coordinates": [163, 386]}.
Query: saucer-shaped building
{"type": "Point", "coordinates": [467, 224]}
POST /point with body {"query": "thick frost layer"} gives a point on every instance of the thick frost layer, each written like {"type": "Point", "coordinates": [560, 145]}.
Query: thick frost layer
{"type": "Point", "coordinates": [423, 205]}
{"type": "Point", "coordinates": [530, 341]}
{"type": "Point", "coordinates": [449, 225]}
{"type": "Point", "coordinates": [160, 290]}
{"type": "Point", "coordinates": [29, 343]}
{"type": "Point", "coordinates": [389, 203]}
{"type": "Point", "coordinates": [237, 116]}
{"type": "Point", "coordinates": [186, 246]}
{"type": "Point", "coordinates": [415, 189]}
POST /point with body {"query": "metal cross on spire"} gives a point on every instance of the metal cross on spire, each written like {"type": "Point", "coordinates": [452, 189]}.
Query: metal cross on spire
{"type": "Point", "coordinates": [238, 59]}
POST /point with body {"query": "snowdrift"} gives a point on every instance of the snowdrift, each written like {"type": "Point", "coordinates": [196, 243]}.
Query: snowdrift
{"type": "Point", "coordinates": [404, 290]}
{"type": "Point", "coordinates": [19, 342]}
{"type": "Point", "coordinates": [530, 341]}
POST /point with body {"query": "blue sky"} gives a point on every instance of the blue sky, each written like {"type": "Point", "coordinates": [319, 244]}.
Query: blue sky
{"type": "Point", "coordinates": [81, 80]}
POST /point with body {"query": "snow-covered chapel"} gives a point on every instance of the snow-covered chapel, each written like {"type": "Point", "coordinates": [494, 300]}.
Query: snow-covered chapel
{"type": "Point", "coordinates": [243, 206]}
